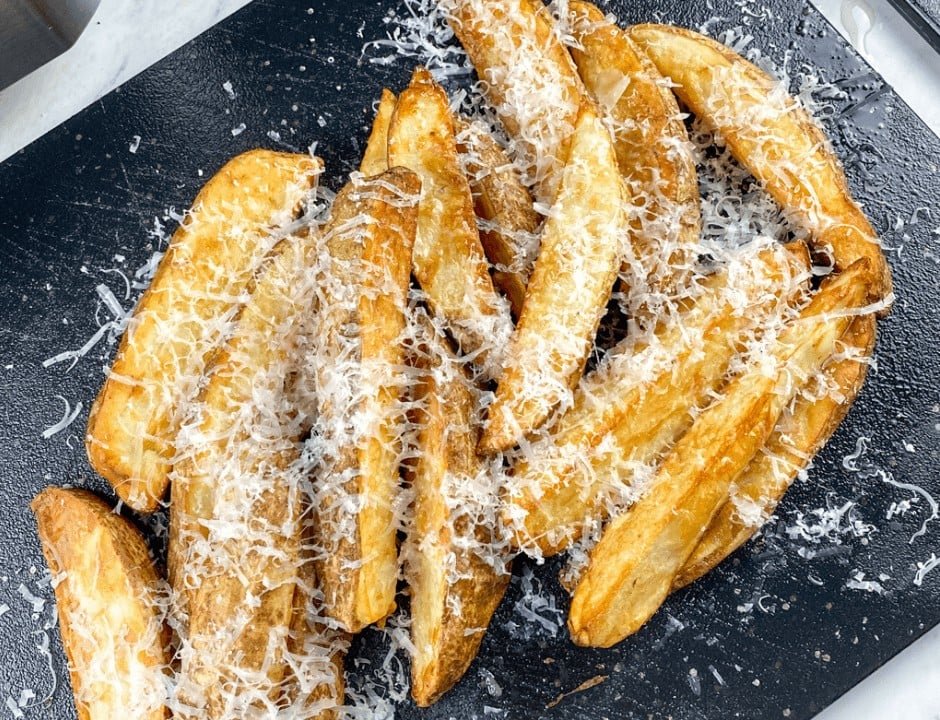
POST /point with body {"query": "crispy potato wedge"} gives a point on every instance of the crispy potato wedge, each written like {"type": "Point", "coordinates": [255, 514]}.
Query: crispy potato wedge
{"type": "Point", "coordinates": [569, 289]}
{"type": "Point", "coordinates": [180, 320]}
{"type": "Point", "coordinates": [502, 202]}
{"type": "Point", "coordinates": [234, 544]}
{"type": "Point", "coordinates": [651, 142]}
{"type": "Point", "coordinates": [455, 586]}
{"type": "Point", "coordinates": [771, 134]}
{"type": "Point", "coordinates": [109, 615]}
{"type": "Point", "coordinates": [530, 78]}
{"type": "Point", "coordinates": [639, 400]}
{"type": "Point", "coordinates": [315, 685]}
{"type": "Point", "coordinates": [633, 567]}
{"type": "Point", "coordinates": [368, 242]}
{"type": "Point", "coordinates": [800, 434]}
{"type": "Point", "coordinates": [448, 259]}
{"type": "Point", "coordinates": [375, 158]}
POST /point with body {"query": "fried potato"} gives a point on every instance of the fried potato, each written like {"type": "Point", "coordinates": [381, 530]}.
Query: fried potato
{"type": "Point", "coordinates": [364, 292]}
{"type": "Point", "coordinates": [800, 434]}
{"type": "Point", "coordinates": [569, 289]}
{"type": "Point", "coordinates": [107, 601]}
{"type": "Point", "coordinates": [375, 158]}
{"type": "Point", "coordinates": [634, 565]}
{"type": "Point", "coordinates": [502, 202]}
{"type": "Point", "coordinates": [234, 543]}
{"type": "Point", "coordinates": [448, 259]}
{"type": "Point", "coordinates": [456, 583]}
{"type": "Point", "coordinates": [315, 685]}
{"type": "Point", "coordinates": [771, 134]}
{"type": "Point", "coordinates": [639, 401]}
{"type": "Point", "coordinates": [530, 80]}
{"type": "Point", "coordinates": [651, 142]}
{"type": "Point", "coordinates": [180, 320]}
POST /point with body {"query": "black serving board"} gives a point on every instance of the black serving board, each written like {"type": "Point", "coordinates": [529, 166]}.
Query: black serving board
{"type": "Point", "coordinates": [780, 630]}
{"type": "Point", "coordinates": [924, 15]}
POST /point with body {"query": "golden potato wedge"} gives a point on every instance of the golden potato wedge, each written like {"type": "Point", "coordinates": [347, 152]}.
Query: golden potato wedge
{"type": "Point", "coordinates": [773, 136]}
{"type": "Point", "coordinates": [234, 544]}
{"type": "Point", "coordinates": [651, 142]}
{"type": "Point", "coordinates": [530, 80]}
{"type": "Point", "coordinates": [639, 400]}
{"type": "Point", "coordinates": [455, 586]}
{"type": "Point", "coordinates": [448, 259]}
{"type": "Point", "coordinates": [800, 434]}
{"type": "Point", "coordinates": [375, 158]}
{"type": "Point", "coordinates": [582, 242]}
{"type": "Point", "coordinates": [107, 600]}
{"type": "Point", "coordinates": [502, 202]}
{"type": "Point", "coordinates": [359, 356]}
{"type": "Point", "coordinates": [181, 318]}
{"type": "Point", "coordinates": [633, 567]}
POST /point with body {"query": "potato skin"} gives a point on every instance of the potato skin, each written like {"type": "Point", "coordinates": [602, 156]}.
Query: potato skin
{"type": "Point", "coordinates": [108, 614]}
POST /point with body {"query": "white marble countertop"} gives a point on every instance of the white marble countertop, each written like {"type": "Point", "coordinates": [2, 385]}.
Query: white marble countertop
{"type": "Point", "coordinates": [114, 48]}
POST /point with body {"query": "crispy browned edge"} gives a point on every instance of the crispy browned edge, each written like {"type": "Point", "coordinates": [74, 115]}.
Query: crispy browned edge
{"type": "Point", "coordinates": [501, 198]}
{"type": "Point", "coordinates": [65, 517]}
{"type": "Point", "coordinates": [447, 443]}
{"type": "Point", "coordinates": [794, 442]}
{"type": "Point", "coordinates": [106, 443]}
{"type": "Point", "coordinates": [349, 599]}
{"type": "Point", "coordinates": [375, 157]}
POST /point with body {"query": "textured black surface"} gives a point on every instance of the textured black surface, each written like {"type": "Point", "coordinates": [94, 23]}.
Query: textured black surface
{"type": "Point", "coordinates": [923, 15]}
{"type": "Point", "coordinates": [776, 632]}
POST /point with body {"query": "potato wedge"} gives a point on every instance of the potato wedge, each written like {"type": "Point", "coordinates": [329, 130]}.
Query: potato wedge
{"type": "Point", "coordinates": [502, 202]}
{"type": "Point", "coordinates": [375, 158]}
{"type": "Point", "coordinates": [651, 142]}
{"type": "Point", "coordinates": [771, 134]}
{"type": "Point", "coordinates": [368, 242]}
{"type": "Point", "coordinates": [107, 600]}
{"type": "Point", "coordinates": [800, 434]}
{"type": "Point", "coordinates": [180, 320]}
{"type": "Point", "coordinates": [633, 567]}
{"type": "Point", "coordinates": [315, 686]}
{"type": "Point", "coordinates": [448, 259]}
{"type": "Point", "coordinates": [581, 250]}
{"type": "Point", "coordinates": [640, 400]}
{"type": "Point", "coordinates": [234, 544]}
{"type": "Point", "coordinates": [456, 583]}
{"type": "Point", "coordinates": [530, 79]}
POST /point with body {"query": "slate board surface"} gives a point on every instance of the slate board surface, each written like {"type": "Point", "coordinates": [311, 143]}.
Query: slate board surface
{"type": "Point", "coordinates": [924, 15]}
{"type": "Point", "coordinates": [779, 631]}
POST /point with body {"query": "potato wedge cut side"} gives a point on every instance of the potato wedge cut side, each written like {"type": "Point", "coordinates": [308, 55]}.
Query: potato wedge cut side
{"type": "Point", "coordinates": [180, 320]}
{"type": "Point", "coordinates": [107, 600]}
{"type": "Point", "coordinates": [375, 157]}
{"type": "Point", "coordinates": [799, 435]}
{"type": "Point", "coordinates": [651, 142]}
{"type": "Point", "coordinates": [633, 567]}
{"type": "Point", "coordinates": [503, 203]}
{"type": "Point", "coordinates": [368, 242]}
{"type": "Point", "coordinates": [234, 543]}
{"type": "Point", "coordinates": [773, 136]}
{"type": "Point", "coordinates": [456, 583]}
{"type": "Point", "coordinates": [582, 244]}
{"type": "Point", "coordinates": [640, 400]}
{"type": "Point", "coordinates": [531, 80]}
{"type": "Point", "coordinates": [448, 260]}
